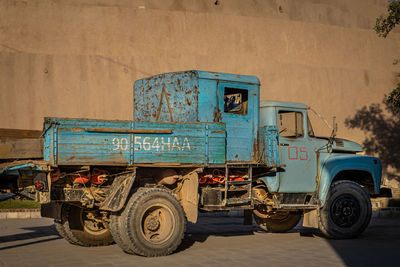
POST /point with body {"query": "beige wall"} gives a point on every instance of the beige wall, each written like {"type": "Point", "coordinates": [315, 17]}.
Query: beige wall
{"type": "Point", "coordinates": [79, 58]}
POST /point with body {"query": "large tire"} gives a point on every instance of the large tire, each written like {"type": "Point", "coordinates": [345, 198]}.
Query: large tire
{"type": "Point", "coordinates": [154, 221]}
{"type": "Point", "coordinates": [347, 211]}
{"type": "Point", "coordinates": [279, 222]}
{"type": "Point", "coordinates": [61, 231]}
{"type": "Point", "coordinates": [77, 229]}
{"type": "Point", "coordinates": [119, 234]}
{"type": "Point", "coordinates": [63, 226]}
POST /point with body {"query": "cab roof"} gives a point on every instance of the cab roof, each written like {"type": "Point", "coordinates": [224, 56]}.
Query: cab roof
{"type": "Point", "coordinates": [249, 79]}
{"type": "Point", "coordinates": [227, 77]}
{"type": "Point", "coordinates": [283, 104]}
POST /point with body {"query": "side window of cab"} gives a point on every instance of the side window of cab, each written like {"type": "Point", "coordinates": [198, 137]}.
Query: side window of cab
{"type": "Point", "coordinates": [235, 101]}
{"type": "Point", "coordinates": [291, 124]}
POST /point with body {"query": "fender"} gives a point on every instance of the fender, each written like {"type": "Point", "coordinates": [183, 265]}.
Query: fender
{"type": "Point", "coordinates": [271, 181]}
{"type": "Point", "coordinates": [119, 192]}
{"type": "Point", "coordinates": [188, 195]}
{"type": "Point", "coordinates": [333, 165]}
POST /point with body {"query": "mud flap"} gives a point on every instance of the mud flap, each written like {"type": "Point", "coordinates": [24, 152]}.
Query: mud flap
{"type": "Point", "coordinates": [310, 219]}
{"type": "Point", "coordinates": [189, 197]}
{"type": "Point", "coordinates": [51, 210]}
{"type": "Point", "coordinates": [119, 192]}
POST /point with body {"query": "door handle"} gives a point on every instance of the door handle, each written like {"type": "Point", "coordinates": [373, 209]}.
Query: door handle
{"type": "Point", "coordinates": [283, 144]}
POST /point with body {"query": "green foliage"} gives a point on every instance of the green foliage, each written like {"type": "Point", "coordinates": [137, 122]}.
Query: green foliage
{"type": "Point", "coordinates": [384, 25]}
{"type": "Point", "coordinates": [19, 204]}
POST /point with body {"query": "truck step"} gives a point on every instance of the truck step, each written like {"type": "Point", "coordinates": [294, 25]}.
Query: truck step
{"type": "Point", "coordinates": [298, 206]}
{"type": "Point", "coordinates": [226, 208]}
{"type": "Point", "coordinates": [242, 182]}
{"type": "Point", "coordinates": [234, 201]}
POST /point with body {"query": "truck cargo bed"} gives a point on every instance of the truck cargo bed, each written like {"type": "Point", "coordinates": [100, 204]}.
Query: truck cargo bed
{"type": "Point", "coordinates": [121, 143]}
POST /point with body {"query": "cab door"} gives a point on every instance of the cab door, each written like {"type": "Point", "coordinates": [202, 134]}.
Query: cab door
{"type": "Point", "coordinates": [296, 152]}
{"type": "Point", "coordinates": [237, 105]}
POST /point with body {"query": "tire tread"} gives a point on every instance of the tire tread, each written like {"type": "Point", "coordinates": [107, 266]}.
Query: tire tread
{"type": "Point", "coordinates": [127, 215]}
{"type": "Point", "coordinates": [324, 229]}
{"type": "Point", "coordinates": [65, 231]}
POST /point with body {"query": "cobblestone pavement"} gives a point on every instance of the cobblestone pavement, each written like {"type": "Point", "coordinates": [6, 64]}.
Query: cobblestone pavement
{"type": "Point", "coordinates": [213, 241]}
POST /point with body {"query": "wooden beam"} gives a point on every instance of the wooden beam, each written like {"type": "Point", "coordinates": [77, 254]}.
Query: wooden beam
{"type": "Point", "coordinates": [21, 148]}
{"type": "Point", "coordinates": [18, 133]}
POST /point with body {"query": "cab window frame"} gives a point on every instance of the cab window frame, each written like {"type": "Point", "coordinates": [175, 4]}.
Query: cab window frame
{"type": "Point", "coordinates": [296, 124]}
{"type": "Point", "coordinates": [230, 94]}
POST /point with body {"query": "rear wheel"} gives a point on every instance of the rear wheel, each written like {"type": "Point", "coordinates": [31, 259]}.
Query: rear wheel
{"type": "Point", "coordinates": [119, 233]}
{"type": "Point", "coordinates": [278, 222]}
{"type": "Point", "coordinates": [155, 222]}
{"type": "Point", "coordinates": [347, 211]}
{"type": "Point", "coordinates": [79, 227]}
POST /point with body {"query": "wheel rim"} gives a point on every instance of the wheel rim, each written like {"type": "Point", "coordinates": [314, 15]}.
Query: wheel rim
{"type": "Point", "coordinates": [280, 216]}
{"type": "Point", "coordinates": [345, 211]}
{"type": "Point", "coordinates": [157, 224]}
{"type": "Point", "coordinates": [92, 226]}
{"type": "Point", "coordinates": [262, 213]}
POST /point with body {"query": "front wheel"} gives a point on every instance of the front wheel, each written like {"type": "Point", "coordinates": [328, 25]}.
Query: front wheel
{"type": "Point", "coordinates": [347, 211]}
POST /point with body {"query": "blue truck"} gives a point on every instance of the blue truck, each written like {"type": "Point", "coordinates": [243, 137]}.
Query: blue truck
{"type": "Point", "coordinates": [199, 142]}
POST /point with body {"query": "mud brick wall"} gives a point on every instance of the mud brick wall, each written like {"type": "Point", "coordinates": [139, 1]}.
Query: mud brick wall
{"type": "Point", "coordinates": [79, 58]}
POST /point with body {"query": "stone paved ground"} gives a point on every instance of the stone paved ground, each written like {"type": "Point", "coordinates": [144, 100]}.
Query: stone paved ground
{"type": "Point", "coordinates": [214, 241]}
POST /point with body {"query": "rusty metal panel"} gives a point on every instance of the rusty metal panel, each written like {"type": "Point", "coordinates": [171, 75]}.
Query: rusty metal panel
{"type": "Point", "coordinates": [167, 97]}
{"type": "Point", "coordinates": [269, 145]}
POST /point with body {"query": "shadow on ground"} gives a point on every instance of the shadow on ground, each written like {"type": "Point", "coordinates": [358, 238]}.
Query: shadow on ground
{"type": "Point", "coordinates": [373, 248]}
{"type": "Point", "coordinates": [34, 233]}
{"type": "Point", "coordinates": [215, 226]}
{"type": "Point", "coordinates": [377, 246]}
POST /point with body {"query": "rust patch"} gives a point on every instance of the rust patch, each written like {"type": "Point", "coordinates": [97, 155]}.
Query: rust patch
{"type": "Point", "coordinates": [166, 164]}
{"type": "Point", "coordinates": [256, 149]}
{"type": "Point", "coordinates": [149, 131]}
{"type": "Point", "coordinates": [166, 131]}
{"type": "Point", "coordinates": [72, 129]}
{"type": "Point", "coordinates": [217, 115]}
{"type": "Point", "coordinates": [71, 158]}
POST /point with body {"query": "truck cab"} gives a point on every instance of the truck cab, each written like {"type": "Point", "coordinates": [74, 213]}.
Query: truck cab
{"type": "Point", "coordinates": [308, 159]}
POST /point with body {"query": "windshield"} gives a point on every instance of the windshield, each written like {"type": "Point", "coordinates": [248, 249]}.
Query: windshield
{"type": "Point", "coordinates": [319, 123]}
